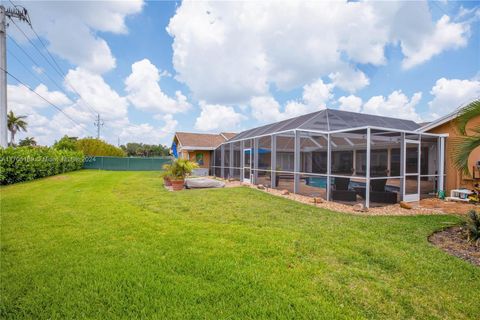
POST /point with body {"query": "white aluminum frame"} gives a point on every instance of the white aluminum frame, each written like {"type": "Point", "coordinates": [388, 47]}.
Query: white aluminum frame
{"type": "Point", "coordinates": [295, 133]}
{"type": "Point", "coordinates": [249, 180]}
{"type": "Point", "coordinates": [412, 196]}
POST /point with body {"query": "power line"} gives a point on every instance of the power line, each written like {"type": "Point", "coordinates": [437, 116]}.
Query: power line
{"type": "Point", "coordinates": [24, 66]}
{"type": "Point", "coordinates": [34, 62]}
{"type": "Point", "coordinates": [43, 98]}
{"type": "Point", "coordinates": [54, 66]}
{"type": "Point", "coordinates": [62, 71]}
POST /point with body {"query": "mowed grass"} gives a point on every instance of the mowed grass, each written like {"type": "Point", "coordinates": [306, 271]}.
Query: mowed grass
{"type": "Point", "coordinates": [98, 244]}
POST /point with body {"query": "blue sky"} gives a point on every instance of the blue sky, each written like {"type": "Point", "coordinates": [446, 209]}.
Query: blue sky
{"type": "Point", "coordinates": [154, 68]}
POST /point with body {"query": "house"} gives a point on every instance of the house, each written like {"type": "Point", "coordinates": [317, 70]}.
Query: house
{"type": "Point", "coordinates": [454, 178]}
{"type": "Point", "coordinates": [198, 147]}
{"type": "Point", "coordinates": [338, 155]}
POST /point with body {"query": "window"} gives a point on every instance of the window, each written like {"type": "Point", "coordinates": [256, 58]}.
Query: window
{"type": "Point", "coordinates": [199, 159]}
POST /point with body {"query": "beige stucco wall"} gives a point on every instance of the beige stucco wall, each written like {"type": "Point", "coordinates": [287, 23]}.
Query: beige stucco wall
{"type": "Point", "coordinates": [454, 178]}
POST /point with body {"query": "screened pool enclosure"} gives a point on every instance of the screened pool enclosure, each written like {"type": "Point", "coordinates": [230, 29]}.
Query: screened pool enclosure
{"type": "Point", "coordinates": [338, 155]}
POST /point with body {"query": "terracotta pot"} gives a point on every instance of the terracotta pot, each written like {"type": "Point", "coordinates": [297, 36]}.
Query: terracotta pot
{"type": "Point", "coordinates": [167, 181]}
{"type": "Point", "coordinates": [177, 185]}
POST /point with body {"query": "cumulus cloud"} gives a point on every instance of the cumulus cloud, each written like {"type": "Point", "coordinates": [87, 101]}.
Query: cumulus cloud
{"type": "Point", "coordinates": [314, 97]}
{"type": "Point", "coordinates": [23, 101]}
{"type": "Point", "coordinates": [255, 46]}
{"type": "Point", "coordinates": [146, 133]}
{"type": "Point", "coordinates": [349, 79]}
{"type": "Point", "coordinates": [144, 91]}
{"type": "Point", "coordinates": [449, 94]}
{"type": "Point", "coordinates": [70, 29]}
{"type": "Point", "coordinates": [397, 104]}
{"type": "Point", "coordinates": [444, 35]}
{"type": "Point", "coordinates": [350, 103]}
{"type": "Point", "coordinates": [96, 94]}
{"type": "Point", "coordinates": [217, 117]}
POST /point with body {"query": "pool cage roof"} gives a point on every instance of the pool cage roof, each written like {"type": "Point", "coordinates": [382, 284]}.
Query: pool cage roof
{"type": "Point", "coordinates": [329, 120]}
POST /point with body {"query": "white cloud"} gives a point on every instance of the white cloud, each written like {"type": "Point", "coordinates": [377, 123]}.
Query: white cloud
{"type": "Point", "coordinates": [245, 48]}
{"type": "Point", "coordinates": [146, 133]}
{"type": "Point", "coordinates": [397, 105]}
{"type": "Point", "coordinates": [349, 80]}
{"type": "Point", "coordinates": [314, 97]}
{"type": "Point", "coordinates": [217, 117]}
{"type": "Point", "coordinates": [445, 35]}
{"type": "Point", "coordinates": [350, 103]}
{"type": "Point", "coordinates": [70, 29]}
{"type": "Point", "coordinates": [449, 94]}
{"type": "Point", "coordinates": [317, 93]}
{"type": "Point", "coordinates": [96, 94]}
{"type": "Point", "coordinates": [23, 101]}
{"type": "Point", "coordinates": [144, 91]}
{"type": "Point", "coordinates": [266, 109]}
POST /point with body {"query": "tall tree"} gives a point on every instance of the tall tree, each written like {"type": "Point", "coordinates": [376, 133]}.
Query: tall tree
{"type": "Point", "coordinates": [467, 142]}
{"type": "Point", "coordinates": [27, 142]}
{"type": "Point", "coordinates": [15, 124]}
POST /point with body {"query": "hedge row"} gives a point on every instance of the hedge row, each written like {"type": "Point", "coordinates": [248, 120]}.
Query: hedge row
{"type": "Point", "coordinates": [29, 163]}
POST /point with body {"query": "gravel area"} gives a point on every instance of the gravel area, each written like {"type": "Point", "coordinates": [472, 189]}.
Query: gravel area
{"type": "Point", "coordinates": [423, 207]}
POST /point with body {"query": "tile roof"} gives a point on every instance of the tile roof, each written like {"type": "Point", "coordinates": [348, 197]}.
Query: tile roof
{"type": "Point", "coordinates": [202, 140]}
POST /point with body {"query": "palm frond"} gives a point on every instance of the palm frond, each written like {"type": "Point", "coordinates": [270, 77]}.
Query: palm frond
{"type": "Point", "coordinates": [463, 147]}
{"type": "Point", "coordinates": [466, 114]}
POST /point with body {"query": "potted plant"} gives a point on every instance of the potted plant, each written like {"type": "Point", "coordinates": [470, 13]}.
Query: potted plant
{"type": "Point", "coordinates": [166, 175]}
{"type": "Point", "coordinates": [179, 170]}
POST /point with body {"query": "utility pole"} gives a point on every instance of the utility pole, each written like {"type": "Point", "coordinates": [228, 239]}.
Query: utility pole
{"type": "Point", "coordinates": [98, 123]}
{"type": "Point", "coordinates": [21, 14]}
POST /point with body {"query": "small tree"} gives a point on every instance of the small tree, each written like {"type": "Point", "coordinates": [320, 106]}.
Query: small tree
{"type": "Point", "coordinates": [473, 226]}
{"type": "Point", "coordinates": [27, 142]}
{"type": "Point", "coordinates": [15, 124]}
{"type": "Point", "coordinates": [66, 143]}
{"type": "Point", "coordinates": [466, 143]}
{"type": "Point", "coordinates": [181, 168]}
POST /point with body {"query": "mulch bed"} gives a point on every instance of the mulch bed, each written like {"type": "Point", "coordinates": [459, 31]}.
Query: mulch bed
{"type": "Point", "coordinates": [453, 241]}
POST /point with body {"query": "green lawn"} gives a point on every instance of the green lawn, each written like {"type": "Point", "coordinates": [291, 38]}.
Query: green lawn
{"type": "Point", "coordinates": [97, 244]}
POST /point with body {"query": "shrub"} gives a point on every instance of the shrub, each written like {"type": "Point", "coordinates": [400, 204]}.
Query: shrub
{"type": "Point", "coordinates": [66, 143]}
{"type": "Point", "coordinates": [26, 163]}
{"type": "Point", "coordinates": [96, 147]}
{"type": "Point", "coordinates": [180, 168]}
{"type": "Point", "coordinates": [473, 226]}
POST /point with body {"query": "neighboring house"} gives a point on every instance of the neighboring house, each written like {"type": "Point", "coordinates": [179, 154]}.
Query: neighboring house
{"type": "Point", "coordinates": [454, 178]}
{"type": "Point", "coordinates": [198, 147]}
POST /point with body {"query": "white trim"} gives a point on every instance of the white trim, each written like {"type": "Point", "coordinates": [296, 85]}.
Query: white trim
{"type": "Point", "coordinates": [249, 180]}
{"type": "Point", "coordinates": [439, 121]}
{"type": "Point", "coordinates": [190, 148]}
{"type": "Point", "coordinates": [367, 173]}
{"type": "Point", "coordinates": [411, 196]}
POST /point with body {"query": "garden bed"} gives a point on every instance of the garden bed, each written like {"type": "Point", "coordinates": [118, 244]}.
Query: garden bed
{"type": "Point", "coordinates": [453, 241]}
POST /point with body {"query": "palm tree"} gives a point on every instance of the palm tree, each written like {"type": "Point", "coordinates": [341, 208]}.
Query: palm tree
{"type": "Point", "coordinates": [467, 142]}
{"type": "Point", "coordinates": [15, 123]}
{"type": "Point", "coordinates": [27, 142]}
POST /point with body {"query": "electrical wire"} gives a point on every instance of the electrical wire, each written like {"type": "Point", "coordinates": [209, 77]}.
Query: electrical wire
{"type": "Point", "coordinates": [54, 66]}
{"type": "Point", "coordinates": [44, 99]}
{"type": "Point", "coordinates": [34, 62]}
{"type": "Point", "coordinates": [10, 53]}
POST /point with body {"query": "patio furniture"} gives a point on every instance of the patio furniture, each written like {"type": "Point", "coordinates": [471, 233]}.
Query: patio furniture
{"type": "Point", "coordinates": [379, 194]}
{"type": "Point", "coordinates": [342, 191]}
